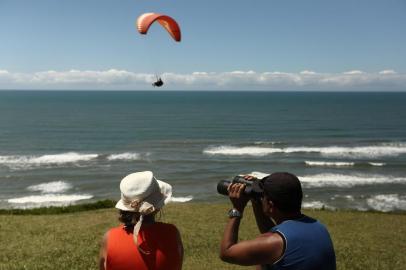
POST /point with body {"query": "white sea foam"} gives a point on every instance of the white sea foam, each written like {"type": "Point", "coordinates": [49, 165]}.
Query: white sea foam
{"type": "Point", "coordinates": [388, 202]}
{"type": "Point", "coordinates": [348, 180]}
{"type": "Point", "coordinates": [49, 199]}
{"type": "Point", "coordinates": [379, 164]}
{"type": "Point", "coordinates": [182, 199]}
{"type": "Point", "coordinates": [24, 162]}
{"type": "Point", "coordinates": [313, 205]}
{"type": "Point", "coordinates": [347, 197]}
{"type": "Point", "coordinates": [329, 164]}
{"type": "Point", "coordinates": [265, 143]}
{"type": "Point", "coordinates": [316, 205]}
{"type": "Point", "coordinates": [371, 151]}
{"type": "Point", "coordinates": [124, 156]}
{"type": "Point", "coordinates": [51, 187]}
{"type": "Point", "coordinates": [70, 157]}
{"type": "Point", "coordinates": [240, 151]}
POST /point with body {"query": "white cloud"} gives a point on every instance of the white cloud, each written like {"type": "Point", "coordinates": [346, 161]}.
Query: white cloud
{"type": "Point", "coordinates": [77, 77]}
{"type": "Point", "coordinates": [116, 79]}
{"type": "Point", "coordinates": [387, 71]}
{"type": "Point", "coordinates": [353, 72]}
{"type": "Point", "coordinates": [307, 72]}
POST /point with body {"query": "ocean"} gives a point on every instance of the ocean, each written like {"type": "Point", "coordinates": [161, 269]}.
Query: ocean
{"type": "Point", "coordinates": [69, 147]}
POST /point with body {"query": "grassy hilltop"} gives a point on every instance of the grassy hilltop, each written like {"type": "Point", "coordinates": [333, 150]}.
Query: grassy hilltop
{"type": "Point", "coordinates": [44, 239]}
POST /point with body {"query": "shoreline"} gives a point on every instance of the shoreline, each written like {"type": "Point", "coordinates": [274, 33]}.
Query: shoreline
{"type": "Point", "coordinates": [107, 204]}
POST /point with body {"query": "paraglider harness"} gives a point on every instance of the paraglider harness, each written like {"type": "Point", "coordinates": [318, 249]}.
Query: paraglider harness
{"type": "Point", "coordinates": [158, 82]}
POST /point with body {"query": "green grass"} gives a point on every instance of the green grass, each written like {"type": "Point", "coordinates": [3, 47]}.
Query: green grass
{"type": "Point", "coordinates": [42, 239]}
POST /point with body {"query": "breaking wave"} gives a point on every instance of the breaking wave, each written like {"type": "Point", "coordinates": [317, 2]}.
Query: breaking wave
{"type": "Point", "coordinates": [51, 187]}
{"type": "Point", "coordinates": [124, 156]}
{"type": "Point", "coordinates": [240, 151]}
{"type": "Point", "coordinates": [51, 194]}
{"type": "Point", "coordinates": [379, 164]}
{"type": "Point", "coordinates": [316, 205]}
{"type": "Point", "coordinates": [388, 202]}
{"type": "Point", "coordinates": [341, 164]}
{"type": "Point", "coordinates": [182, 199]}
{"type": "Point", "coordinates": [26, 162]}
{"type": "Point", "coordinates": [347, 180]}
{"type": "Point", "coordinates": [329, 164]}
{"type": "Point", "coordinates": [34, 201]}
{"type": "Point", "coordinates": [371, 151]}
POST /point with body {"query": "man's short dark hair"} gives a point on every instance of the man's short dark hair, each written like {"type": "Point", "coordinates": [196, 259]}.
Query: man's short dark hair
{"type": "Point", "coordinates": [284, 190]}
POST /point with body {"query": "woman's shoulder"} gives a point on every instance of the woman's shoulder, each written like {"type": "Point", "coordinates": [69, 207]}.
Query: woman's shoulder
{"type": "Point", "coordinates": [167, 226]}
{"type": "Point", "coordinates": [167, 233]}
{"type": "Point", "coordinates": [114, 230]}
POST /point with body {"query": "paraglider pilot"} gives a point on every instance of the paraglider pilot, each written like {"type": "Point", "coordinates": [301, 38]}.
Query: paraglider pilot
{"type": "Point", "coordinates": [158, 83]}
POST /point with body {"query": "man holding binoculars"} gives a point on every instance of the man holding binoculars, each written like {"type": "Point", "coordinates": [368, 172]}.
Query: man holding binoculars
{"type": "Point", "coordinates": [288, 240]}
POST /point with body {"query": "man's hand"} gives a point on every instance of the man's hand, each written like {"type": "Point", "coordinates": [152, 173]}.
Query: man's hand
{"type": "Point", "coordinates": [249, 177]}
{"type": "Point", "coordinates": [254, 200]}
{"type": "Point", "coordinates": [237, 196]}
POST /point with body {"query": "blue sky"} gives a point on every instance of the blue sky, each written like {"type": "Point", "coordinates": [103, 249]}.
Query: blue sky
{"type": "Point", "coordinates": [260, 45]}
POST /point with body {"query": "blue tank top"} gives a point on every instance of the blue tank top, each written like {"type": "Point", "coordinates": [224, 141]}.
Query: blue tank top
{"type": "Point", "coordinates": [308, 246]}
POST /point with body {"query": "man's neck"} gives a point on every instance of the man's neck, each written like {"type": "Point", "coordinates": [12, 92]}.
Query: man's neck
{"type": "Point", "coordinates": [288, 216]}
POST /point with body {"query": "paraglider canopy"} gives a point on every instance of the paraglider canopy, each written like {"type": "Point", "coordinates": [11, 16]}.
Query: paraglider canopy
{"type": "Point", "coordinates": [147, 19]}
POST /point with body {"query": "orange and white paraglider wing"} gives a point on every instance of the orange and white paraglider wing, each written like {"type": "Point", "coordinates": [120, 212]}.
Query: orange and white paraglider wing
{"type": "Point", "coordinates": [147, 19]}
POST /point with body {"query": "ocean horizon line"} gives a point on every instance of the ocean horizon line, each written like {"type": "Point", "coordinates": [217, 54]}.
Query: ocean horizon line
{"type": "Point", "coordinates": [207, 90]}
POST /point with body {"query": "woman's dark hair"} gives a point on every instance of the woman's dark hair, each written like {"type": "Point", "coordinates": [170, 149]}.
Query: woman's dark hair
{"type": "Point", "coordinates": [284, 190]}
{"type": "Point", "coordinates": [128, 218]}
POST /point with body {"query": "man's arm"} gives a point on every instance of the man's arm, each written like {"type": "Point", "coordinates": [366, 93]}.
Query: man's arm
{"type": "Point", "coordinates": [263, 250]}
{"type": "Point", "coordinates": [239, 201]}
{"type": "Point", "coordinates": [266, 249]}
{"type": "Point", "coordinates": [230, 237]}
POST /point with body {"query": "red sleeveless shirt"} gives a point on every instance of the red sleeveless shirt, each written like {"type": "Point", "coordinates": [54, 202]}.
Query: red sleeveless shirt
{"type": "Point", "coordinates": [160, 240]}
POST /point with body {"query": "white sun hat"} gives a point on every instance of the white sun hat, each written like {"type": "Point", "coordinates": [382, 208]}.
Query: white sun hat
{"type": "Point", "coordinates": [141, 192]}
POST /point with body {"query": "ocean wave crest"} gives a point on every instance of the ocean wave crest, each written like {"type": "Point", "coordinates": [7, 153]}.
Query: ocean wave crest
{"type": "Point", "coordinates": [316, 205]}
{"type": "Point", "coordinates": [241, 151]}
{"type": "Point", "coordinates": [69, 157]}
{"type": "Point", "coordinates": [124, 156]}
{"type": "Point", "coordinates": [51, 187]}
{"type": "Point", "coordinates": [372, 151]}
{"type": "Point", "coordinates": [24, 162]}
{"type": "Point", "coordinates": [341, 164]}
{"type": "Point", "coordinates": [34, 201]}
{"type": "Point", "coordinates": [379, 164]}
{"type": "Point", "coordinates": [329, 164]}
{"type": "Point", "coordinates": [181, 199]}
{"type": "Point", "coordinates": [387, 203]}
{"type": "Point", "coordinates": [347, 180]}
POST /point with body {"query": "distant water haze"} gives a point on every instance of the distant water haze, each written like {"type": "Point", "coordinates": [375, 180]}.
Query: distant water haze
{"type": "Point", "coordinates": [61, 148]}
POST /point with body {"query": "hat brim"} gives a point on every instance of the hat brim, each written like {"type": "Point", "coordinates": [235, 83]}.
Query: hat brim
{"type": "Point", "coordinates": [166, 192]}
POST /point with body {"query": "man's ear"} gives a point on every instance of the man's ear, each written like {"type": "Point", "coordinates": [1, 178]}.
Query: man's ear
{"type": "Point", "coordinates": [271, 206]}
{"type": "Point", "coordinates": [268, 206]}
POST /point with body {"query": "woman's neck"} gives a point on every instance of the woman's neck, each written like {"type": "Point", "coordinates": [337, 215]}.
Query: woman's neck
{"type": "Point", "coordinates": [149, 219]}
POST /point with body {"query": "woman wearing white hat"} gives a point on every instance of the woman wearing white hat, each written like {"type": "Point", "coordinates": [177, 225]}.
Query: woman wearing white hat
{"type": "Point", "coordinates": [142, 243]}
